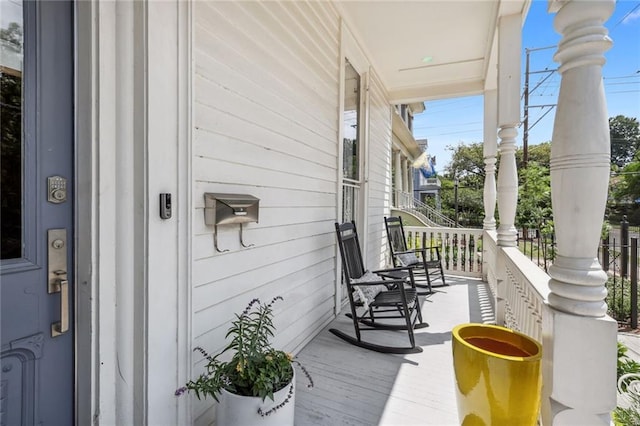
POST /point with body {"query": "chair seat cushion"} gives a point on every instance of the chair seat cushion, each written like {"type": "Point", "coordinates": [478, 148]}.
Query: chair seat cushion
{"type": "Point", "coordinates": [407, 259]}
{"type": "Point", "coordinates": [366, 294]}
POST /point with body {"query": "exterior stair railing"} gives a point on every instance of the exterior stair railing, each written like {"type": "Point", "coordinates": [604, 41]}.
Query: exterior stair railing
{"type": "Point", "coordinates": [406, 202]}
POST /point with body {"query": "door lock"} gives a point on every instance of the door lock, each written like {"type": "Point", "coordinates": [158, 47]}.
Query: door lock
{"type": "Point", "coordinates": [56, 189]}
{"type": "Point", "coordinates": [57, 281]}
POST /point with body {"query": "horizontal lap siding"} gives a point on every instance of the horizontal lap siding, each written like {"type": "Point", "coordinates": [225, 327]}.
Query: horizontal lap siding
{"type": "Point", "coordinates": [379, 171]}
{"type": "Point", "coordinates": [265, 111]}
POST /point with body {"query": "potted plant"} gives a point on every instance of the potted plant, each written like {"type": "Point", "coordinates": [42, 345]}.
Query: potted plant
{"type": "Point", "coordinates": [258, 381]}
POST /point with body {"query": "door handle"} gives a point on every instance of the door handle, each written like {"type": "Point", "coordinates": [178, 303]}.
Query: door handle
{"type": "Point", "coordinates": [57, 281]}
{"type": "Point", "coordinates": [60, 327]}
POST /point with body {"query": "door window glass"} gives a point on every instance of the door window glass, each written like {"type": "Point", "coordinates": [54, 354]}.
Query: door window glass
{"type": "Point", "coordinates": [11, 102]}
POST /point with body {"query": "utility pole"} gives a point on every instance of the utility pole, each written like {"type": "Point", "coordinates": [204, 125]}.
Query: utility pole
{"type": "Point", "coordinates": [525, 95]}
{"type": "Point", "coordinates": [525, 133]}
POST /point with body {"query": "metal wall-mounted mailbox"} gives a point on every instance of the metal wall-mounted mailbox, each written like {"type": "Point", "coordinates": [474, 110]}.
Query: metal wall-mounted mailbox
{"type": "Point", "coordinates": [223, 209]}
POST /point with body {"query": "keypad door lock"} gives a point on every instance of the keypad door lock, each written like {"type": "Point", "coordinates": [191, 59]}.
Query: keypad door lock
{"type": "Point", "coordinates": [56, 189]}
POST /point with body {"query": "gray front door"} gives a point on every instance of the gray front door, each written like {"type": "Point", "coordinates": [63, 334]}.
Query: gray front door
{"type": "Point", "coordinates": [37, 139]}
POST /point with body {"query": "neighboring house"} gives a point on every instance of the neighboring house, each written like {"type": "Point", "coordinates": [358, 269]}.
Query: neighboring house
{"type": "Point", "coordinates": [404, 148]}
{"type": "Point", "coordinates": [132, 111]}
{"type": "Point", "coordinates": [426, 183]}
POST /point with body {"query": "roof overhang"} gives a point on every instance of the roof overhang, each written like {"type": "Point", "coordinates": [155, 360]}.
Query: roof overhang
{"type": "Point", "coordinates": [403, 139]}
{"type": "Point", "coordinates": [430, 49]}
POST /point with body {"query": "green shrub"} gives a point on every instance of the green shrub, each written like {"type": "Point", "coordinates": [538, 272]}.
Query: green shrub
{"type": "Point", "coordinates": [625, 364]}
{"type": "Point", "coordinates": [629, 416]}
{"type": "Point", "coordinates": [619, 298]}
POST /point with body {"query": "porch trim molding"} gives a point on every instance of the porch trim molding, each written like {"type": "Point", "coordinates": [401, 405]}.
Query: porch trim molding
{"type": "Point", "coordinates": [86, 64]}
{"type": "Point", "coordinates": [351, 50]}
{"type": "Point", "coordinates": [133, 268]}
{"type": "Point", "coordinates": [169, 170]}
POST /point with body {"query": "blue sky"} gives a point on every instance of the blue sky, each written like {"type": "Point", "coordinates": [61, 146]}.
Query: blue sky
{"type": "Point", "coordinates": [451, 121]}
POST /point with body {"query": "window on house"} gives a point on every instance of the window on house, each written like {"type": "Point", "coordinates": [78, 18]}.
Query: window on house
{"type": "Point", "coordinates": [351, 144]}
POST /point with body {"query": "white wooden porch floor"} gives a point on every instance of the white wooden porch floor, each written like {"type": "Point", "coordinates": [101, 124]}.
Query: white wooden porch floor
{"type": "Point", "coordinates": [354, 386]}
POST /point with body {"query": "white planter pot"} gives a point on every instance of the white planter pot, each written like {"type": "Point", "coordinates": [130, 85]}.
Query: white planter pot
{"type": "Point", "coordinates": [238, 410]}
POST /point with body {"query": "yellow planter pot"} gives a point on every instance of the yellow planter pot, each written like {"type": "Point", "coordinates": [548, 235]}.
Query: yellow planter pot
{"type": "Point", "coordinates": [497, 372]}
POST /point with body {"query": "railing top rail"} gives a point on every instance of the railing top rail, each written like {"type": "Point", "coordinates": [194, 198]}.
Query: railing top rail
{"type": "Point", "coordinates": [474, 231]}
{"type": "Point", "coordinates": [538, 279]}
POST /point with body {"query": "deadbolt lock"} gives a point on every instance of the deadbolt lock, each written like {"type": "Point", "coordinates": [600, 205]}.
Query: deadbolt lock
{"type": "Point", "coordinates": [56, 189]}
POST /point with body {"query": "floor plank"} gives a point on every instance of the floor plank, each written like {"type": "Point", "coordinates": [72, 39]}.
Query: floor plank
{"type": "Point", "coordinates": [354, 386]}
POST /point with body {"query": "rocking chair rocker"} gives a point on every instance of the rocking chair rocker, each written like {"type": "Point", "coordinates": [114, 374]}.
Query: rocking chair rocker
{"type": "Point", "coordinates": [378, 299]}
{"type": "Point", "coordinates": [426, 261]}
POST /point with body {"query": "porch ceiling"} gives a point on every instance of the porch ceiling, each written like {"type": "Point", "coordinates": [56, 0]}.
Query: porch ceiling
{"type": "Point", "coordinates": [458, 36]}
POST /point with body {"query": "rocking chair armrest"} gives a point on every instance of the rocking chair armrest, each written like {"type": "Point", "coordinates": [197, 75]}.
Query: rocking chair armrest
{"type": "Point", "coordinates": [395, 253]}
{"type": "Point", "coordinates": [399, 268]}
{"type": "Point", "coordinates": [383, 282]}
{"type": "Point", "coordinates": [421, 250]}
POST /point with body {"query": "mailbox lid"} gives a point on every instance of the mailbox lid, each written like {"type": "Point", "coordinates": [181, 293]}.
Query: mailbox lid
{"type": "Point", "coordinates": [221, 209]}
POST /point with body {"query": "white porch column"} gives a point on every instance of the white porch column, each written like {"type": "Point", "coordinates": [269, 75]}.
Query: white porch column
{"type": "Point", "coordinates": [405, 183]}
{"type": "Point", "coordinates": [398, 171]}
{"type": "Point", "coordinates": [579, 339]}
{"type": "Point", "coordinates": [410, 177]}
{"type": "Point", "coordinates": [509, 50]}
{"type": "Point", "coordinates": [490, 151]}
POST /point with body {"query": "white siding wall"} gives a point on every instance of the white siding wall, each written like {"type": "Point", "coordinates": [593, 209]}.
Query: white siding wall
{"type": "Point", "coordinates": [265, 107]}
{"type": "Point", "coordinates": [379, 171]}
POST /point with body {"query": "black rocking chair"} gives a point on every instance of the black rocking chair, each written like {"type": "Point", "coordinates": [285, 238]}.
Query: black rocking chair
{"type": "Point", "coordinates": [378, 299]}
{"type": "Point", "coordinates": [426, 261]}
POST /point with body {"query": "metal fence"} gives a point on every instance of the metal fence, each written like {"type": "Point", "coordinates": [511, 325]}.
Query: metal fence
{"type": "Point", "coordinates": [618, 255]}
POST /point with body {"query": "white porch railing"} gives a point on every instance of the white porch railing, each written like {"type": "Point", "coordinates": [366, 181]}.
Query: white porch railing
{"type": "Point", "coordinates": [525, 291]}
{"type": "Point", "coordinates": [490, 257]}
{"type": "Point", "coordinates": [460, 248]}
{"type": "Point", "coordinates": [475, 253]}
{"type": "Point", "coordinates": [431, 216]}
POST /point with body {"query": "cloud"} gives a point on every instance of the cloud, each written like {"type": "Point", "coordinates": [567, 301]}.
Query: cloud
{"type": "Point", "coordinates": [631, 17]}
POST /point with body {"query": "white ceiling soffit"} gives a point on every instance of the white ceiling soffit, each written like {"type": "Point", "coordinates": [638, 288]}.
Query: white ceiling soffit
{"type": "Point", "coordinates": [400, 36]}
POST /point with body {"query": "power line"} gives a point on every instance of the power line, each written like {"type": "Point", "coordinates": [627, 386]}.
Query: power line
{"type": "Point", "coordinates": [621, 84]}
{"type": "Point", "coordinates": [625, 17]}
{"type": "Point", "coordinates": [448, 125]}
{"type": "Point", "coordinates": [461, 132]}
{"type": "Point", "coordinates": [525, 95]}
{"type": "Point", "coordinates": [636, 75]}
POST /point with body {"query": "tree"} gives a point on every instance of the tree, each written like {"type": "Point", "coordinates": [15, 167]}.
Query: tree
{"type": "Point", "coordinates": [534, 197]}
{"type": "Point", "coordinates": [470, 201]}
{"type": "Point", "coordinates": [12, 34]}
{"type": "Point", "coordinates": [625, 139]}
{"type": "Point", "coordinates": [467, 165]}
{"type": "Point", "coordinates": [467, 162]}
{"type": "Point", "coordinates": [540, 154]}
{"type": "Point", "coordinates": [624, 185]}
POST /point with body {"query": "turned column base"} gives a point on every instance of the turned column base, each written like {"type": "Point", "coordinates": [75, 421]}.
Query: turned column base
{"type": "Point", "coordinates": [579, 364]}
{"type": "Point", "coordinates": [507, 236]}
{"type": "Point", "coordinates": [578, 286]}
